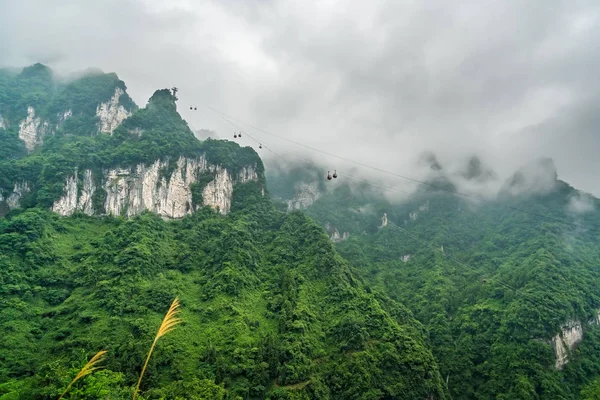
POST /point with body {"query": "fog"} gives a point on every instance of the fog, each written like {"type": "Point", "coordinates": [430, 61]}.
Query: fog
{"type": "Point", "coordinates": [376, 82]}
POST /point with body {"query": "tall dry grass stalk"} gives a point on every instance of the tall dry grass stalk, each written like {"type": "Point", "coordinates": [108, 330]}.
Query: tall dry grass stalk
{"type": "Point", "coordinates": [86, 370]}
{"type": "Point", "coordinates": [167, 326]}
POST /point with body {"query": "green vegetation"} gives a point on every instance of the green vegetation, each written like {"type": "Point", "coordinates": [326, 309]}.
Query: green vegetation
{"type": "Point", "coordinates": [492, 339]}
{"type": "Point", "coordinates": [156, 132]}
{"type": "Point", "coordinates": [449, 300]}
{"type": "Point", "coordinates": [268, 309]}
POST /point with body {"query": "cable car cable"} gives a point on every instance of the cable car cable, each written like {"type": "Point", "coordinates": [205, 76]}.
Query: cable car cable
{"type": "Point", "coordinates": [408, 178]}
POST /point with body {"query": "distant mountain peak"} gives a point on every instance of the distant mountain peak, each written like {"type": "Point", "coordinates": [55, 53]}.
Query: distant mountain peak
{"type": "Point", "coordinates": [537, 177]}
{"type": "Point", "coordinates": [429, 159]}
{"type": "Point", "coordinates": [476, 170]}
{"type": "Point", "coordinates": [163, 98]}
{"type": "Point", "coordinates": [36, 70]}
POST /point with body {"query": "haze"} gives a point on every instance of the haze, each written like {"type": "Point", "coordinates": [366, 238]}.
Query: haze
{"type": "Point", "coordinates": [378, 82]}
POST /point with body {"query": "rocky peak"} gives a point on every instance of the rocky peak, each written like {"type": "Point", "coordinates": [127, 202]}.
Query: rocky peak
{"type": "Point", "coordinates": [429, 160]}
{"type": "Point", "coordinates": [37, 71]}
{"type": "Point", "coordinates": [163, 98]}
{"type": "Point", "coordinates": [537, 177]}
{"type": "Point", "coordinates": [475, 170]}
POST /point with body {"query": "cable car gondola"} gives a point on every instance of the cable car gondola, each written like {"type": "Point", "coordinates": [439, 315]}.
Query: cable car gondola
{"type": "Point", "coordinates": [234, 135]}
{"type": "Point", "coordinates": [335, 174]}
{"type": "Point", "coordinates": [328, 176]}
{"type": "Point", "coordinates": [260, 146]}
{"type": "Point", "coordinates": [240, 134]}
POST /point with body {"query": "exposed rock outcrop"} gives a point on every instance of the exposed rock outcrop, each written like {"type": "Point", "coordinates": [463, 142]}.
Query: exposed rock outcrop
{"type": "Point", "coordinates": [62, 117]}
{"type": "Point", "coordinates": [565, 342]}
{"type": "Point", "coordinates": [306, 195]}
{"type": "Point", "coordinates": [334, 233]}
{"type": "Point", "coordinates": [111, 113]}
{"type": "Point", "coordinates": [31, 129]}
{"type": "Point", "coordinates": [12, 199]}
{"type": "Point", "coordinates": [130, 191]}
{"type": "Point", "coordinates": [384, 220]}
{"type": "Point", "coordinates": [412, 216]}
{"type": "Point", "coordinates": [72, 199]}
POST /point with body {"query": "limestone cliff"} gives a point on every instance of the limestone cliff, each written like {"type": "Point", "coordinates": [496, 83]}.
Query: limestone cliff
{"type": "Point", "coordinates": [129, 191]}
{"type": "Point", "coordinates": [32, 129]}
{"type": "Point", "coordinates": [12, 199]}
{"type": "Point", "coordinates": [334, 233]}
{"type": "Point", "coordinates": [565, 342]}
{"type": "Point", "coordinates": [306, 195]}
{"type": "Point", "coordinates": [111, 113]}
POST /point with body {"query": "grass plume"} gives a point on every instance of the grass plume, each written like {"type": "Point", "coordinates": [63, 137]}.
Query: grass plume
{"type": "Point", "coordinates": [167, 326]}
{"type": "Point", "coordinates": [86, 370]}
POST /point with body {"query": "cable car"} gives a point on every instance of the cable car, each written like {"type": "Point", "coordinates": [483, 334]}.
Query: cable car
{"type": "Point", "coordinates": [234, 135]}
{"type": "Point", "coordinates": [335, 174]}
{"type": "Point", "coordinates": [328, 176]}
{"type": "Point", "coordinates": [484, 281]}
{"type": "Point", "coordinates": [190, 107]}
{"type": "Point", "coordinates": [240, 134]}
{"type": "Point", "coordinates": [260, 146]}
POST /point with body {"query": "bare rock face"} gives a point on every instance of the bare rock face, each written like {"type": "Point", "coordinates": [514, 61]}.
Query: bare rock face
{"type": "Point", "coordinates": [31, 129]}
{"type": "Point", "coordinates": [384, 220]}
{"type": "Point", "coordinates": [111, 113]}
{"type": "Point", "coordinates": [565, 342]}
{"type": "Point", "coordinates": [130, 191]}
{"type": "Point", "coordinates": [12, 199]}
{"type": "Point", "coordinates": [412, 216]}
{"type": "Point", "coordinates": [334, 234]}
{"type": "Point", "coordinates": [306, 195]}
{"type": "Point", "coordinates": [72, 199]}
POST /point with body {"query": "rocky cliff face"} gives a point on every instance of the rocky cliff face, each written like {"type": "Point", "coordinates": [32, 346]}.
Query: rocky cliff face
{"type": "Point", "coordinates": [31, 129]}
{"type": "Point", "coordinates": [129, 191]}
{"type": "Point", "coordinates": [570, 335]}
{"type": "Point", "coordinates": [384, 220]}
{"type": "Point", "coordinates": [306, 195]}
{"type": "Point", "coordinates": [334, 233]}
{"type": "Point", "coordinates": [111, 113]}
{"type": "Point", "coordinates": [565, 342]}
{"type": "Point", "coordinates": [11, 200]}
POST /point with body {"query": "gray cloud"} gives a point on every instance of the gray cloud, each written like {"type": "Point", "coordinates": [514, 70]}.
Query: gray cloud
{"type": "Point", "coordinates": [379, 82]}
{"type": "Point", "coordinates": [581, 204]}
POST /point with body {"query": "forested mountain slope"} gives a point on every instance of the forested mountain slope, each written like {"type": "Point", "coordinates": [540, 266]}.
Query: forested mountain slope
{"type": "Point", "coordinates": [102, 228]}
{"type": "Point", "coordinates": [508, 289]}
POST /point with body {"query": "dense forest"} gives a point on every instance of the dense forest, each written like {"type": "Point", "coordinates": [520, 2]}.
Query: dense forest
{"type": "Point", "coordinates": [491, 281]}
{"type": "Point", "coordinates": [306, 290]}
{"type": "Point", "coordinates": [268, 309]}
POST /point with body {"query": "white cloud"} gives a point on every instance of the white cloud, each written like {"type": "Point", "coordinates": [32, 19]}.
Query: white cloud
{"type": "Point", "coordinates": [378, 82]}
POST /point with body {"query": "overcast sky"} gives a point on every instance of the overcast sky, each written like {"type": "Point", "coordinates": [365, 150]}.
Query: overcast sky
{"type": "Point", "coordinates": [378, 81]}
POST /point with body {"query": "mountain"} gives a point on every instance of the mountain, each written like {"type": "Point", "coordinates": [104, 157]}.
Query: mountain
{"type": "Point", "coordinates": [507, 287]}
{"type": "Point", "coordinates": [108, 212]}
